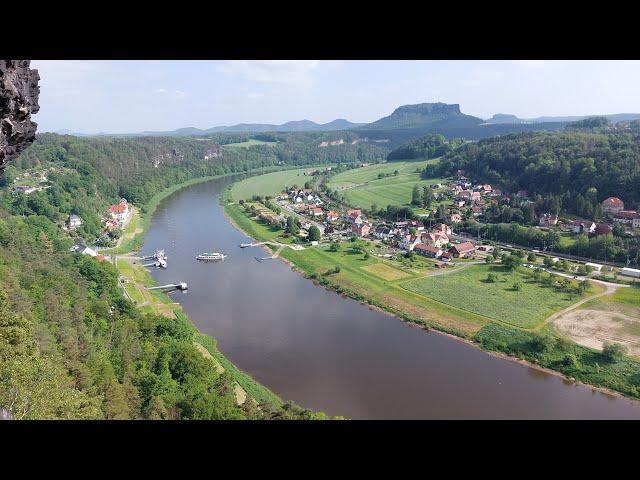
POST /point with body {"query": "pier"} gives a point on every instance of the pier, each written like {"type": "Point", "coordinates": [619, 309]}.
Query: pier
{"type": "Point", "coordinates": [182, 286]}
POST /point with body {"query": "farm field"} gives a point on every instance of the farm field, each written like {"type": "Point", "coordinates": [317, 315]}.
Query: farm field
{"type": "Point", "coordinates": [385, 271]}
{"type": "Point", "coordinates": [270, 183]}
{"type": "Point", "coordinates": [469, 290]}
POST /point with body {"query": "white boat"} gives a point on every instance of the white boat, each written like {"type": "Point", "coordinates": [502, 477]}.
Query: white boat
{"type": "Point", "coordinates": [209, 257]}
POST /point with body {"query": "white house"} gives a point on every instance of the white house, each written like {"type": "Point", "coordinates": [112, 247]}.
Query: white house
{"type": "Point", "coordinates": [73, 222]}
{"type": "Point", "coordinates": [84, 250]}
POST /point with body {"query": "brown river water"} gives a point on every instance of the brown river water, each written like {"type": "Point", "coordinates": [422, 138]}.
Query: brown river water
{"type": "Point", "coordinates": [330, 353]}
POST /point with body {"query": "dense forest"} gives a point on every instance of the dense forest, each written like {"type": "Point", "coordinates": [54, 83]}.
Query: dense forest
{"type": "Point", "coordinates": [71, 345]}
{"type": "Point", "coordinates": [574, 169]}
{"type": "Point", "coordinates": [429, 146]}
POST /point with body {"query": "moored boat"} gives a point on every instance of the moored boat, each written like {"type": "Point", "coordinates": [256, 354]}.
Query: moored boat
{"type": "Point", "coordinates": [210, 257]}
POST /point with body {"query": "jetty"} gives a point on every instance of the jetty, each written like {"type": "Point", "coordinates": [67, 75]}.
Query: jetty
{"type": "Point", "coordinates": [171, 286]}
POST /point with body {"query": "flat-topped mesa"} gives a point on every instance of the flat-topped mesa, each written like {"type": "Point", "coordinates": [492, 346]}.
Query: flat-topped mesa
{"type": "Point", "coordinates": [438, 108]}
{"type": "Point", "coordinates": [19, 93]}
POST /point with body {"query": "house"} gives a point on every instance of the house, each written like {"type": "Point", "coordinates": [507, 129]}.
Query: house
{"type": "Point", "coordinates": [485, 248]}
{"type": "Point", "coordinates": [382, 232]}
{"type": "Point", "coordinates": [361, 229]}
{"type": "Point", "coordinates": [441, 228]}
{"type": "Point", "coordinates": [459, 203]}
{"type": "Point", "coordinates": [315, 211]}
{"type": "Point", "coordinates": [464, 194]}
{"type": "Point", "coordinates": [446, 256]}
{"type": "Point", "coordinates": [477, 211]}
{"type": "Point", "coordinates": [332, 216]}
{"type": "Point", "coordinates": [408, 242]}
{"type": "Point", "coordinates": [84, 250]}
{"type": "Point", "coordinates": [456, 218]}
{"type": "Point", "coordinates": [548, 220]}
{"type": "Point", "coordinates": [73, 222]}
{"type": "Point", "coordinates": [463, 249]}
{"type": "Point", "coordinates": [627, 217]}
{"type": "Point", "coordinates": [603, 229]}
{"type": "Point", "coordinates": [120, 212]}
{"type": "Point", "coordinates": [522, 194]}
{"type": "Point", "coordinates": [486, 188]}
{"type": "Point", "coordinates": [583, 226]}
{"type": "Point", "coordinates": [612, 205]}
{"type": "Point", "coordinates": [475, 196]}
{"type": "Point", "coordinates": [427, 250]}
{"type": "Point", "coordinates": [435, 239]}
{"type": "Point", "coordinates": [354, 219]}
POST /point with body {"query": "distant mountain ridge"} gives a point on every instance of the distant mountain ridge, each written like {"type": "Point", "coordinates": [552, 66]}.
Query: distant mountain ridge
{"type": "Point", "coordinates": [292, 126]}
{"type": "Point", "coordinates": [503, 118]}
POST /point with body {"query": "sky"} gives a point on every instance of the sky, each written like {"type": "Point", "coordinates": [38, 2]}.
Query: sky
{"type": "Point", "coordinates": [134, 96]}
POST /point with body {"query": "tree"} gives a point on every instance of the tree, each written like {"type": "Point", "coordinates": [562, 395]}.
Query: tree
{"type": "Point", "coordinates": [531, 257]}
{"type": "Point", "coordinates": [427, 196]}
{"type": "Point", "coordinates": [491, 278]}
{"type": "Point", "coordinates": [293, 226]}
{"type": "Point", "coordinates": [415, 196]}
{"type": "Point", "coordinates": [314, 233]}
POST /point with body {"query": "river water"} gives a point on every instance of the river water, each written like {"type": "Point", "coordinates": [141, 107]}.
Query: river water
{"type": "Point", "coordinates": [329, 353]}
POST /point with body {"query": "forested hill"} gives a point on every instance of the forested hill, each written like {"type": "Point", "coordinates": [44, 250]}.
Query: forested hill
{"type": "Point", "coordinates": [410, 122]}
{"type": "Point", "coordinates": [573, 165]}
{"type": "Point", "coordinates": [71, 345]}
{"type": "Point", "coordinates": [429, 146]}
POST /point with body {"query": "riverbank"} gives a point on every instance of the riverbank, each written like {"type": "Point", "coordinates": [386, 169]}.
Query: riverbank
{"type": "Point", "coordinates": [137, 279]}
{"type": "Point", "coordinates": [544, 351]}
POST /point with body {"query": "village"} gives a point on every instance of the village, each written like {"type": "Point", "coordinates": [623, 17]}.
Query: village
{"type": "Point", "coordinates": [440, 242]}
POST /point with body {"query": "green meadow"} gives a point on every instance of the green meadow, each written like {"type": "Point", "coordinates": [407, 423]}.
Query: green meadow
{"type": "Point", "coordinates": [269, 184]}
{"type": "Point", "coordinates": [469, 290]}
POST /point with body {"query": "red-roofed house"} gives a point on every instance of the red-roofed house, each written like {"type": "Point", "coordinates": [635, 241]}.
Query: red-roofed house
{"type": "Point", "coordinates": [119, 212]}
{"type": "Point", "coordinates": [332, 216]}
{"type": "Point", "coordinates": [456, 218]}
{"type": "Point", "coordinates": [427, 250]}
{"type": "Point", "coordinates": [603, 229]}
{"type": "Point", "coordinates": [612, 205]}
{"type": "Point", "coordinates": [362, 229]}
{"type": "Point", "coordinates": [442, 228]}
{"type": "Point", "coordinates": [463, 249]}
{"type": "Point", "coordinates": [315, 211]}
{"type": "Point", "coordinates": [628, 217]}
{"type": "Point", "coordinates": [435, 239]}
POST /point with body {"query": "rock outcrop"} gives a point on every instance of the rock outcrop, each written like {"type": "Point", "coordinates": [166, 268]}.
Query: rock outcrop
{"type": "Point", "coordinates": [19, 93]}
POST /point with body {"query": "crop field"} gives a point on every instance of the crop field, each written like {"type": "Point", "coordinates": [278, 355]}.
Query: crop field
{"type": "Point", "coordinates": [469, 290]}
{"type": "Point", "coordinates": [385, 271]}
{"type": "Point", "coordinates": [269, 184]}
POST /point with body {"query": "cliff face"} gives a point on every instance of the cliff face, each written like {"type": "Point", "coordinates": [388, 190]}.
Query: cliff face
{"type": "Point", "coordinates": [19, 93]}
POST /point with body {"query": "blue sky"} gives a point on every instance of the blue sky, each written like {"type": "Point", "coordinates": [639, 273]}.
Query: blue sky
{"type": "Point", "coordinates": [133, 96]}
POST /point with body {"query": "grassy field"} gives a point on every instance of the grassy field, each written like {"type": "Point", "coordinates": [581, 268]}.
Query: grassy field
{"type": "Point", "coordinates": [358, 176]}
{"type": "Point", "coordinates": [269, 184]}
{"type": "Point", "coordinates": [250, 143]}
{"type": "Point", "coordinates": [469, 290]}
{"type": "Point", "coordinates": [385, 271]}
{"type": "Point", "coordinates": [362, 188]}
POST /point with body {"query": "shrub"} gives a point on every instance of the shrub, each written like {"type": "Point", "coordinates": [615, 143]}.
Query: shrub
{"type": "Point", "coordinates": [613, 352]}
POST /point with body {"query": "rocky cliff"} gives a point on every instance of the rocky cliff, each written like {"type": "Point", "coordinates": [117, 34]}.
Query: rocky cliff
{"type": "Point", "coordinates": [19, 93]}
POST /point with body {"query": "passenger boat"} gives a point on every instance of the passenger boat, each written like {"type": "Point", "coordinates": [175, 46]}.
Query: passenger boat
{"type": "Point", "coordinates": [210, 257]}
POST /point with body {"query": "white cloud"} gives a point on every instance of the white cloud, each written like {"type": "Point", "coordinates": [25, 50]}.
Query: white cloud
{"type": "Point", "coordinates": [159, 91]}
{"type": "Point", "coordinates": [289, 72]}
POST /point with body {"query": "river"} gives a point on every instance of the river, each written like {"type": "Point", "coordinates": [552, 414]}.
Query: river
{"type": "Point", "coordinates": [330, 353]}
